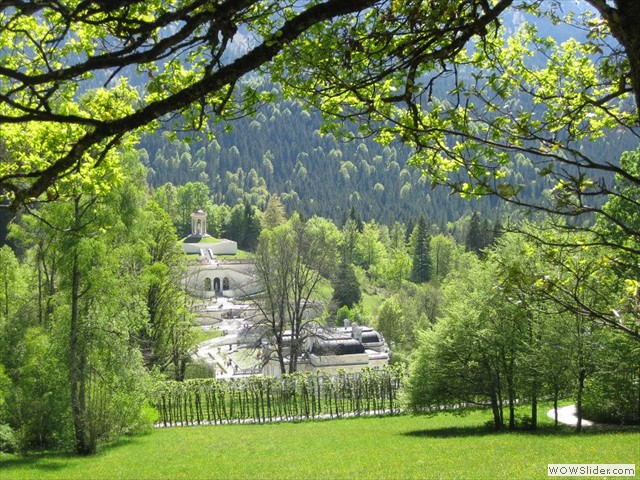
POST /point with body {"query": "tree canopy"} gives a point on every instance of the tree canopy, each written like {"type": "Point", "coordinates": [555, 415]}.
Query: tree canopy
{"type": "Point", "coordinates": [185, 55]}
{"type": "Point", "coordinates": [68, 70]}
{"type": "Point", "coordinates": [449, 80]}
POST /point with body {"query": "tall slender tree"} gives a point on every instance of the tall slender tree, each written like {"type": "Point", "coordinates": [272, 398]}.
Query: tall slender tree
{"type": "Point", "coordinates": [421, 243]}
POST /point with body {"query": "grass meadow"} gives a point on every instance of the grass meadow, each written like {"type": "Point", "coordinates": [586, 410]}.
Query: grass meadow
{"type": "Point", "coordinates": [400, 447]}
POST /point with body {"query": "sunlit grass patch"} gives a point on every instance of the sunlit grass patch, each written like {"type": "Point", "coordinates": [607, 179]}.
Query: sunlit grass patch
{"type": "Point", "coordinates": [441, 446]}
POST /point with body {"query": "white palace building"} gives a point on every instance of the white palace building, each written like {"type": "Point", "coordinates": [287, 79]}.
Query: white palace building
{"type": "Point", "coordinates": [209, 274]}
{"type": "Point", "coordinates": [220, 280]}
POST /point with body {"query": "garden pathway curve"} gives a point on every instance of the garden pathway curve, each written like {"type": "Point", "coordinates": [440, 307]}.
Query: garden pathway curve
{"type": "Point", "coordinates": [567, 415]}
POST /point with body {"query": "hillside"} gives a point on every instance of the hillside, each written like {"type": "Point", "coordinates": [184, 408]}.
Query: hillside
{"type": "Point", "coordinates": [282, 150]}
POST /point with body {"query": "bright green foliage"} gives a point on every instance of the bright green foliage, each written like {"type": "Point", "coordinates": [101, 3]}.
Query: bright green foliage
{"type": "Point", "coordinates": [190, 197]}
{"type": "Point", "coordinates": [181, 55]}
{"type": "Point", "coordinates": [391, 322]}
{"type": "Point", "coordinates": [398, 267]}
{"type": "Point", "coordinates": [612, 394]}
{"type": "Point", "coordinates": [502, 338]}
{"type": "Point", "coordinates": [10, 287]}
{"type": "Point", "coordinates": [618, 228]}
{"type": "Point", "coordinates": [620, 220]}
{"type": "Point", "coordinates": [104, 274]}
{"type": "Point", "coordinates": [449, 81]}
{"type": "Point", "coordinates": [274, 214]}
{"type": "Point", "coordinates": [166, 196]}
{"type": "Point", "coordinates": [370, 251]}
{"type": "Point", "coordinates": [268, 399]}
{"type": "Point", "coordinates": [168, 337]}
{"type": "Point", "coordinates": [445, 253]}
{"type": "Point", "coordinates": [39, 394]}
{"type": "Point", "coordinates": [323, 228]}
{"type": "Point", "coordinates": [458, 360]}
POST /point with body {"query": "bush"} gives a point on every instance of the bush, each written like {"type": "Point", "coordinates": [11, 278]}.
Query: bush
{"type": "Point", "coordinates": [606, 404]}
{"type": "Point", "coordinates": [525, 421]}
{"type": "Point", "coordinates": [8, 439]}
{"type": "Point", "coordinates": [148, 417]}
{"type": "Point", "coordinates": [612, 392]}
{"type": "Point", "coordinates": [199, 369]}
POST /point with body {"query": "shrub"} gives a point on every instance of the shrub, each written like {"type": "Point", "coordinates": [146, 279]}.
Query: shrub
{"type": "Point", "coordinates": [607, 403]}
{"type": "Point", "coordinates": [8, 439]}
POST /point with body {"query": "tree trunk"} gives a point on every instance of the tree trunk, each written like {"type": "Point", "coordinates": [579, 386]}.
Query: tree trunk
{"type": "Point", "coordinates": [499, 400]}
{"type": "Point", "coordinates": [280, 353]}
{"type": "Point", "coordinates": [40, 305]}
{"type": "Point", "coordinates": [581, 377]}
{"type": "Point", "coordinates": [498, 423]}
{"type": "Point", "coordinates": [556, 394]}
{"type": "Point", "coordinates": [77, 355]}
{"type": "Point", "coordinates": [496, 403]}
{"type": "Point", "coordinates": [6, 294]}
{"type": "Point", "coordinates": [623, 21]}
{"type": "Point", "coordinates": [76, 366]}
{"type": "Point", "coordinates": [512, 397]}
{"type": "Point", "coordinates": [534, 408]}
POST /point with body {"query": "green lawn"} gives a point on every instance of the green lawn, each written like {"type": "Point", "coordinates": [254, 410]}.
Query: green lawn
{"type": "Point", "coordinates": [208, 334]}
{"type": "Point", "coordinates": [444, 446]}
{"type": "Point", "coordinates": [240, 255]}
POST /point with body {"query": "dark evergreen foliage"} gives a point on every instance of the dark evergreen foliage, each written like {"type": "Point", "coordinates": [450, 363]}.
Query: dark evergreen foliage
{"type": "Point", "coordinates": [421, 270]}
{"type": "Point", "coordinates": [282, 151]}
{"type": "Point", "coordinates": [480, 234]}
{"type": "Point", "coordinates": [346, 288]}
{"type": "Point", "coordinates": [251, 228]}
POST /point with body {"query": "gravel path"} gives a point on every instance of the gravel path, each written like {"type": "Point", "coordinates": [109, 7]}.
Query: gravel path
{"type": "Point", "coordinates": [567, 415]}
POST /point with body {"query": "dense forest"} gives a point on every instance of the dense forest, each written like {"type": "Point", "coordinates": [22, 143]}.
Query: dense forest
{"type": "Point", "coordinates": [282, 150]}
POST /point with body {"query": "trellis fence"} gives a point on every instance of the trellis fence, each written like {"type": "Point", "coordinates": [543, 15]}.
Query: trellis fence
{"type": "Point", "coordinates": [269, 399]}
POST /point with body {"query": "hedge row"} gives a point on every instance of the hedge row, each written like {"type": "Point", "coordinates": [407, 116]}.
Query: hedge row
{"type": "Point", "coordinates": [268, 399]}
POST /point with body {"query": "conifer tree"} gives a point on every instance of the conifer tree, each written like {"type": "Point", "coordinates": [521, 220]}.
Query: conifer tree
{"type": "Point", "coordinates": [476, 239]}
{"type": "Point", "coordinates": [421, 271]}
{"type": "Point", "coordinates": [251, 228]}
{"type": "Point", "coordinates": [274, 214]}
{"type": "Point", "coordinates": [346, 288]}
{"type": "Point", "coordinates": [357, 218]}
{"type": "Point", "coordinates": [236, 227]}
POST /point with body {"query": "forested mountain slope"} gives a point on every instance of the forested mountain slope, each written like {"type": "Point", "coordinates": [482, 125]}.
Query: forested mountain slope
{"type": "Point", "coordinates": [281, 150]}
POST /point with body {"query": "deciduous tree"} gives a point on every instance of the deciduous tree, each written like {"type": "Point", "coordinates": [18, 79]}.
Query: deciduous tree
{"type": "Point", "coordinates": [185, 56]}
{"type": "Point", "coordinates": [445, 80]}
{"type": "Point", "coordinates": [288, 263]}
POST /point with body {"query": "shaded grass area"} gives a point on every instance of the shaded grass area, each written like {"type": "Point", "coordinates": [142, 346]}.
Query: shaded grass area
{"type": "Point", "coordinates": [442, 446]}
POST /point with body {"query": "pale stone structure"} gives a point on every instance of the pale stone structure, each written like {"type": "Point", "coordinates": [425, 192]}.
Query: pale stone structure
{"type": "Point", "coordinates": [349, 349]}
{"type": "Point", "coordinates": [199, 224]}
{"type": "Point", "coordinates": [210, 276]}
